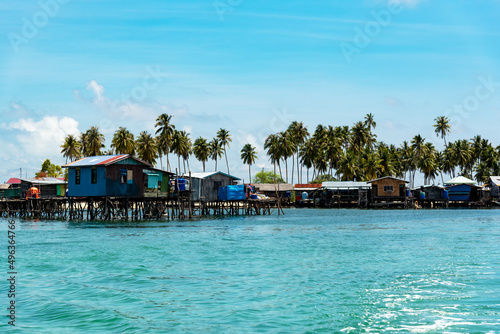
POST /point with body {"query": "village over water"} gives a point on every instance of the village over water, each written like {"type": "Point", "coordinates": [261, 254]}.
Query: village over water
{"type": "Point", "coordinates": [126, 182]}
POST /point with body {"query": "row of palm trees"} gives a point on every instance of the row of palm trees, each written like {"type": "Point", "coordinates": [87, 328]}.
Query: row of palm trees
{"type": "Point", "coordinates": [151, 148]}
{"type": "Point", "coordinates": [340, 152]}
{"type": "Point", "coordinates": [353, 153]}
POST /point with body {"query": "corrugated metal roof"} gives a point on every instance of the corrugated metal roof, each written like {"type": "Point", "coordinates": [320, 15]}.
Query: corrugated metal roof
{"type": "Point", "coordinates": [388, 177]}
{"type": "Point", "coordinates": [459, 180]}
{"type": "Point", "coordinates": [43, 180]}
{"type": "Point", "coordinates": [346, 185]}
{"type": "Point", "coordinates": [4, 186]}
{"type": "Point", "coordinates": [14, 180]}
{"type": "Point", "coordinates": [273, 187]}
{"type": "Point", "coordinates": [97, 160]}
{"type": "Point", "coordinates": [429, 186]}
{"type": "Point", "coordinates": [494, 179]}
{"type": "Point", "coordinates": [103, 160]}
{"type": "Point", "coordinates": [204, 175]}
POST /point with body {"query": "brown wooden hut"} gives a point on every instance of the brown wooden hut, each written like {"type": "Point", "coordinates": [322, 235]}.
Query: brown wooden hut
{"type": "Point", "coordinates": [388, 187]}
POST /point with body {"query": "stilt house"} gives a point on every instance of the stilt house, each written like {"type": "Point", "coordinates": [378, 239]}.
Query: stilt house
{"type": "Point", "coordinates": [116, 175]}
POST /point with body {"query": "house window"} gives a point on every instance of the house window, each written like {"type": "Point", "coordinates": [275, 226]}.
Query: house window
{"type": "Point", "coordinates": [77, 176]}
{"type": "Point", "coordinates": [94, 175]}
{"type": "Point", "coordinates": [130, 176]}
{"type": "Point", "coordinates": [123, 175]}
{"type": "Point", "coordinates": [388, 189]}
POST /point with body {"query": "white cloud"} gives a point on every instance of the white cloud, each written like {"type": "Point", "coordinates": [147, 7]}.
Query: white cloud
{"type": "Point", "coordinates": [131, 109]}
{"type": "Point", "coordinates": [42, 139]}
{"type": "Point", "coordinates": [97, 89]}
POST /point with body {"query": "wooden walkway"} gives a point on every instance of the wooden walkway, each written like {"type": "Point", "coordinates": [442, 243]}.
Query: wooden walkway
{"type": "Point", "coordinates": [109, 208]}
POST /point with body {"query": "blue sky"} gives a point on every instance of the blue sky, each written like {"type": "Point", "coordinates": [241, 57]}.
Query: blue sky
{"type": "Point", "coordinates": [251, 67]}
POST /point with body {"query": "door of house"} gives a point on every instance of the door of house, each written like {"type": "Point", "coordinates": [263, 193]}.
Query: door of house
{"type": "Point", "coordinates": [374, 190]}
{"type": "Point", "coordinates": [402, 190]}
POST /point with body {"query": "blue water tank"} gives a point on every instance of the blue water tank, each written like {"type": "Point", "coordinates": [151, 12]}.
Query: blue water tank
{"type": "Point", "coordinates": [445, 194]}
{"type": "Point", "coordinates": [181, 185]}
{"type": "Point", "coordinates": [422, 195]}
{"type": "Point", "coordinates": [407, 192]}
{"type": "Point", "coordinates": [304, 195]}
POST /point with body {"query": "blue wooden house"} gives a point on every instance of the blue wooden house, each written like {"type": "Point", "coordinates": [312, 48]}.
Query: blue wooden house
{"type": "Point", "coordinates": [462, 189]}
{"type": "Point", "coordinates": [115, 175]}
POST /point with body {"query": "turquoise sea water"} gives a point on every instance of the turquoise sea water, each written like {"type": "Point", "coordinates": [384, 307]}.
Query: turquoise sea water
{"type": "Point", "coordinates": [316, 271]}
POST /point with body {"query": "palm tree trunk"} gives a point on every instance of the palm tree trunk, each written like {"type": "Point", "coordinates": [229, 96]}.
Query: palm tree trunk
{"type": "Point", "coordinates": [293, 166]}
{"type": "Point", "coordinates": [274, 163]}
{"type": "Point", "coordinates": [299, 169]}
{"type": "Point", "coordinates": [227, 164]}
{"type": "Point", "coordinates": [179, 161]}
{"type": "Point", "coordinates": [286, 169]}
{"type": "Point", "coordinates": [307, 176]}
{"type": "Point", "coordinates": [168, 161]}
{"type": "Point", "coordinates": [203, 166]}
{"type": "Point", "coordinates": [189, 168]}
{"type": "Point", "coordinates": [249, 174]}
{"type": "Point", "coordinates": [279, 166]}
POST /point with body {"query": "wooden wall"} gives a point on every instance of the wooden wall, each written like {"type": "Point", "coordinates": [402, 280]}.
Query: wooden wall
{"type": "Point", "coordinates": [388, 182]}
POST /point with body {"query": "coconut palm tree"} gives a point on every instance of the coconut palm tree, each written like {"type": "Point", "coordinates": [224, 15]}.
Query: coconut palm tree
{"type": "Point", "coordinates": [165, 131]}
{"type": "Point", "coordinates": [249, 155]}
{"type": "Point", "coordinates": [386, 164]}
{"type": "Point", "coordinates": [483, 172]}
{"type": "Point", "coordinates": [442, 127]}
{"type": "Point", "coordinates": [83, 145]}
{"type": "Point", "coordinates": [370, 122]}
{"type": "Point", "coordinates": [71, 148]}
{"type": "Point", "coordinates": [147, 148]}
{"type": "Point", "coordinates": [271, 144]}
{"type": "Point", "coordinates": [350, 167]}
{"type": "Point", "coordinates": [216, 151]}
{"type": "Point", "coordinates": [286, 148]}
{"type": "Point", "coordinates": [224, 138]}
{"type": "Point", "coordinates": [462, 152]}
{"type": "Point", "coordinates": [299, 134]}
{"type": "Point", "coordinates": [448, 163]}
{"type": "Point", "coordinates": [186, 149]}
{"type": "Point", "coordinates": [372, 165]}
{"type": "Point", "coordinates": [94, 141]}
{"type": "Point", "coordinates": [428, 163]}
{"type": "Point", "coordinates": [307, 153]}
{"type": "Point", "coordinates": [333, 149]}
{"type": "Point", "coordinates": [360, 136]}
{"type": "Point", "coordinates": [201, 150]}
{"type": "Point", "coordinates": [408, 160]}
{"type": "Point", "coordinates": [180, 145]}
{"type": "Point", "coordinates": [123, 142]}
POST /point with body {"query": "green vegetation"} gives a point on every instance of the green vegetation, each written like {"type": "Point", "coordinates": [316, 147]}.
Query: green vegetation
{"type": "Point", "coordinates": [249, 155]}
{"type": "Point", "coordinates": [323, 178]}
{"type": "Point", "coordinates": [267, 177]}
{"type": "Point", "coordinates": [330, 152]}
{"type": "Point", "coordinates": [49, 170]}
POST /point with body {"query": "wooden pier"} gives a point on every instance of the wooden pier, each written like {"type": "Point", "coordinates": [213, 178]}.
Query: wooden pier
{"type": "Point", "coordinates": [133, 208]}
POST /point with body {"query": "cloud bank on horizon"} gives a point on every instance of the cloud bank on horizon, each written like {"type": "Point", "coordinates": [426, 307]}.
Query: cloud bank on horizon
{"type": "Point", "coordinates": [249, 67]}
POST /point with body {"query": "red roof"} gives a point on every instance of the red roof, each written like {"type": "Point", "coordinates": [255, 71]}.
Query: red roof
{"type": "Point", "coordinates": [14, 180]}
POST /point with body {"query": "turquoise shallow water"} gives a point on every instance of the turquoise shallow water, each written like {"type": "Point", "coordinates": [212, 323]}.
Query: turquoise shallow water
{"type": "Point", "coordinates": [317, 271]}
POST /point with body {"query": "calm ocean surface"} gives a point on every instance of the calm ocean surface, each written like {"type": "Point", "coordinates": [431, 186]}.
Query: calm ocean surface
{"type": "Point", "coordinates": [317, 271]}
